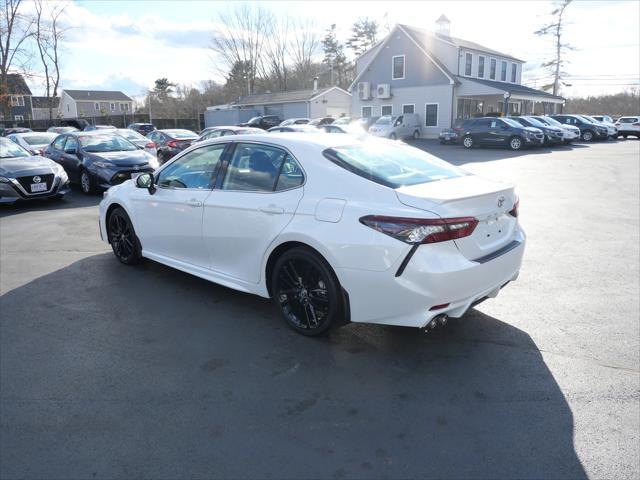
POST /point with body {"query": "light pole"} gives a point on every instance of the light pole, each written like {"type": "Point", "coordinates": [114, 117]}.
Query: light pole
{"type": "Point", "coordinates": [505, 105]}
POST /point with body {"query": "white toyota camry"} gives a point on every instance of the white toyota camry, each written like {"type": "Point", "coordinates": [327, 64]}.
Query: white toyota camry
{"type": "Point", "coordinates": [333, 228]}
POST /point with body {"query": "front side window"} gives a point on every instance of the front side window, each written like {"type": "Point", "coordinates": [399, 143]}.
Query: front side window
{"type": "Point", "coordinates": [514, 71]}
{"type": "Point", "coordinates": [387, 110]}
{"type": "Point", "coordinates": [254, 168]}
{"type": "Point", "coordinates": [59, 142]}
{"type": "Point", "coordinates": [196, 169]}
{"type": "Point", "coordinates": [431, 115]}
{"type": "Point", "coordinates": [71, 146]}
{"type": "Point", "coordinates": [408, 109]}
{"type": "Point", "coordinates": [468, 58]}
{"type": "Point", "coordinates": [398, 67]}
{"type": "Point", "coordinates": [503, 71]}
{"type": "Point", "coordinates": [480, 67]}
{"type": "Point", "coordinates": [391, 165]}
{"type": "Point", "coordinates": [492, 69]}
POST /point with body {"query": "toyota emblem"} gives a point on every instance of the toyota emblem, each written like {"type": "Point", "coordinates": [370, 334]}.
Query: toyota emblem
{"type": "Point", "coordinates": [500, 201]}
{"type": "Point", "coordinates": [36, 179]}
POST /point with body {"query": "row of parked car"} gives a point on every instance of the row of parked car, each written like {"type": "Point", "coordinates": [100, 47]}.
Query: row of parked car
{"type": "Point", "coordinates": [534, 130]}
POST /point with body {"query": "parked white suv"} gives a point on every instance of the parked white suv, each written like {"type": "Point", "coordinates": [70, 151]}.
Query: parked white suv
{"type": "Point", "coordinates": [396, 126]}
{"type": "Point", "coordinates": [628, 126]}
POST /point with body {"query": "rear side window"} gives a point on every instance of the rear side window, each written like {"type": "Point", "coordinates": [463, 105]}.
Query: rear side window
{"type": "Point", "coordinates": [393, 166]}
{"type": "Point", "coordinates": [291, 175]}
{"type": "Point", "coordinates": [254, 168]}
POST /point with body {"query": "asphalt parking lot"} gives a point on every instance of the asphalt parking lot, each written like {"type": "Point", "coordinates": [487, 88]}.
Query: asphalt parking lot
{"type": "Point", "coordinates": [108, 371]}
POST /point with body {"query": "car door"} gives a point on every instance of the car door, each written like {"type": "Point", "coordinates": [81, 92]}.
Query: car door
{"type": "Point", "coordinates": [70, 158]}
{"type": "Point", "coordinates": [257, 198]}
{"type": "Point", "coordinates": [54, 151]}
{"type": "Point", "coordinates": [169, 222]}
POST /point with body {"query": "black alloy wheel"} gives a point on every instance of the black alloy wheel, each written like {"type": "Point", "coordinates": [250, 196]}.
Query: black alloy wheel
{"type": "Point", "coordinates": [87, 183]}
{"type": "Point", "coordinates": [123, 239]}
{"type": "Point", "coordinates": [307, 292]}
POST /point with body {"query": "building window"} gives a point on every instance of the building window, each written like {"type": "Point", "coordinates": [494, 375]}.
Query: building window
{"type": "Point", "coordinates": [503, 71]}
{"type": "Point", "coordinates": [431, 115]}
{"type": "Point", "coordinates": [468, 59]}
{"type": "Point", "coordinates": [124, 107]}
{"type": "Point", "coordinates": [398, 67]}
{"type": "Point", "coordinates": [68, 108]}
{"type": "Point", "coordinates": [96, 106]}
{"type": "Point", "coordinates": [18, 118]}
{"type": "Point", "coordinates": [469, 108]}
{"type": "Point", "coordinates": [492, 69]}
{"type": "Point", "coordinates": [366, 112]}
{"type": "Point", "coordinates": [408, 108]}
{"type": "Point", "coordinates": [514, 70]}
{"type": "Point", "coordinates": [113, 107]}
{"type": "Point", "coordinates": [386, 110]}
{"type": "Point", "coordinates": [480, 67]}
{"type": "Point", "coordinates": [17, 101]}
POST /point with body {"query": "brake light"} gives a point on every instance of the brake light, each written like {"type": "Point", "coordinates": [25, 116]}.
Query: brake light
{"type": "Point", "coordinates": [150, 145]}
{"type": "Point", "coordinates": [172, 144]}
{"type": "Point", "coordinates": [514, 211]}
{"type": "Point", "coordinates": [421, 230]}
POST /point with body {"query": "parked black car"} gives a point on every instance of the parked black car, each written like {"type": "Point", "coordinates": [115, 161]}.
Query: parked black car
{"type": "Point", "coordinates": [98, 160]}
{"type": "Point", "coordinates": [320, 122]}
{"type": "Point", "coordinates": [264, 122]}
{"type": "Point", "coordinates": [552, 135]}
{"type": "Point", "coordinates": [27, 177]}
{"type": "Point", "coordinates": [142, 128]}
{"type": "Point", "coordinates": [588, 131]}
{"type": "Point", "coordinates": [170, 142]}
{"type": "Point", "coordinates": [499, 132]}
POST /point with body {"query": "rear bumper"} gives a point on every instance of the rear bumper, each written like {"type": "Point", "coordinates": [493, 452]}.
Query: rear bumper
{"type": "Point", "coordinates": [437, 274]}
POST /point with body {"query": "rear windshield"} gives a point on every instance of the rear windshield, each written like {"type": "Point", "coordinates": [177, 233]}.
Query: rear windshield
{"type": "Point", "coordinates": [392, 165]}
{"type": "Point", "coordinates": [39, 139]}
{"type": "Point", "coordinates": [105, 143]}
{"type": "Point", "coordinates": [180, 133]}
{"type": "Point", "coordinates": [628, 120]}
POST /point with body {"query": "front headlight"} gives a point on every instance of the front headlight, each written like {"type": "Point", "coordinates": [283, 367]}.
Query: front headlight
{"type": "Point", "coordinates": [4, 179]}
{"type": "Point", "coordinates": [103, 164]}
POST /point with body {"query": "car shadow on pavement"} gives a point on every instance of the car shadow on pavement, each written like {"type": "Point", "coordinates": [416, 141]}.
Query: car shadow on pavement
{"type": "Point", "coordinates": [109, 371]}
{"type": "Point", "coordinates": [73, 199]}
{"type": "Point", "coordinates": [458, 155]}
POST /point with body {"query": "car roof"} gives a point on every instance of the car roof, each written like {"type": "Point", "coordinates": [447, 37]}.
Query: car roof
{"type": "Point", "coordinates": [321, 140]}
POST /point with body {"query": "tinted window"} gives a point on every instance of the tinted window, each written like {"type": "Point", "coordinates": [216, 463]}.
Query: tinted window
{"type": "Point", "coordinates": [290, 176]}
{"type": "Point", "coordinates": [392, 165]}
{"type": "Point", "coordinates": [59, 142]}
{"type": "Point", "coordinates": [254, 168]}
{"type": "Point", "coordinates": [196, 169]}
{"type": "Point", "coordinates": [71, 146]}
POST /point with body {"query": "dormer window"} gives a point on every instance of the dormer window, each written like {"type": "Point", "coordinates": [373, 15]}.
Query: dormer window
{"type": "Point", "coordinates": [503, 71]}
{"type": "Point", "coordinates": [480, 66]}
{"type": "Point", "coordinates": [397, 68]}
{"type": "Point", "coordinates": [468, 59]}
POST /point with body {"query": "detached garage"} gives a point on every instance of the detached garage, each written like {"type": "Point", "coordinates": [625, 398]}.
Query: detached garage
{"type": "Point", "coordinates": [329, 102]}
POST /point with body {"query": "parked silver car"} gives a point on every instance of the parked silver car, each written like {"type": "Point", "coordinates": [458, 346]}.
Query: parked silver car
{"type": "Point", "coordinates": [33, 142]}
{"type": "Point", "coordinates": [397, 126]}
{"type": "Point", "coordinates": [138, 140]}
{"type": "Point", "coordinates": [26, 177]}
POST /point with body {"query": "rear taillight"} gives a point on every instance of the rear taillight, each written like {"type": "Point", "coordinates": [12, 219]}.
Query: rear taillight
{"type": "Point", "coordinates": [150, 145]}
{"type": "Point", "coordinates": [421, 230]}
{"type": "Point", "coordinates": [514, 211]}
{"type": "Point", "coordinates": [172, 144]}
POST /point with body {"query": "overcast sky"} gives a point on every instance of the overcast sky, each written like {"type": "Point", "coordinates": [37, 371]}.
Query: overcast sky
{"type": "Point", "coordinates": [126, 45]}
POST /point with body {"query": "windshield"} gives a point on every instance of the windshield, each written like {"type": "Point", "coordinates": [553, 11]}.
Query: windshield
{"type": "Point", "coordinates": [385, 120]}
{"type": "Point", "coordinates": [254, 120]}
{"type": "Point", "coordinates": [535, 122]}
{"type": "Point", "coordinates": [180, 133]}
{"type": "Point", "coordinates": [511, 122]}
{"type": "Point", "coordinates": [392, 165]}
{"type": "Point", "coordinates": [550, 121]}
{"type": "Point", "coordinates": [11, 150]}
{"type": "Point", "coordinates": [591, 119]}
{"type": "Point", "coordinates": [130, 134]}
{"type": "Point", "coordinates": [105, 143]}
{"type": "Point", "coordinates": [39, 139]}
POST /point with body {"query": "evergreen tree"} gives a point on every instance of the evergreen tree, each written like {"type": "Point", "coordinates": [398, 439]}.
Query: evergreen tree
{"type": "Point", "coordinates": [335, 58]}
{"type": "Point", "coordinates": [364, 35]}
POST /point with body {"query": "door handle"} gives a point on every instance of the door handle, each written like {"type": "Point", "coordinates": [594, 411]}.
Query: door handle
{"type": "Point", "coordinates": [272, 209]}
{"type": "Point", "coordinates": [194, 203]}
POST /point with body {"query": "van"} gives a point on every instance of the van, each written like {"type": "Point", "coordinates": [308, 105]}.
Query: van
{"type": "Point", "coordinates": [397, 126]}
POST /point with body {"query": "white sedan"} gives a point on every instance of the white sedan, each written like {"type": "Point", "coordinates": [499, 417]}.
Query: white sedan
{"type": "Point", "coordinates": [333, 228]}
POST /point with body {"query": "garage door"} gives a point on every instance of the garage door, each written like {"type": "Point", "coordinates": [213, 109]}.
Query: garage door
{"type": "Point", "coordinates": [335, 112]}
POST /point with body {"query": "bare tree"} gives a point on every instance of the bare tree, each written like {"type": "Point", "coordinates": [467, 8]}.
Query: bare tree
{"type": "Point", "coordinates": [555, 30]}
{"type": "Point", "coordinates": [276, 52]}
{"type": "Point", "coordinates": [305, 45]}
{"type": "Point", "coordinates": [15, 30]}
{"type": "Point", "coordinates": [48, 35]}
{"type": "Point", "coordinates": [240, 39]}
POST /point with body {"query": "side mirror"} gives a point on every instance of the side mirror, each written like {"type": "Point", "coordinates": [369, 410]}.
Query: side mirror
{"type": "Point", "coordinates": [146, 180]}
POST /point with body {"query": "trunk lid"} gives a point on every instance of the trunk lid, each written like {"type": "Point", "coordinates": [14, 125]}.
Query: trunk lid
{"type": "Point", "coordinates": [469, 196]}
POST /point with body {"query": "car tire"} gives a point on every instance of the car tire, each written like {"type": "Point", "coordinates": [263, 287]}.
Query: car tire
{"type": "Point", "coordinates": [122, 237]}
{"type": "Point", "coordinates": [468, 142]}
{"type": "Point", "coordinates": [392, 136]}
{"type": "Point", "coordinates": [516, 143]}
{"type": "Point", "coordinates": [587, 136]}
{"type": "Point", "coordinates": [87, 183]}
{"type": "Point", "coordinates": [416, 135]}
{"type": "Point", "coordinates": [298, 272]}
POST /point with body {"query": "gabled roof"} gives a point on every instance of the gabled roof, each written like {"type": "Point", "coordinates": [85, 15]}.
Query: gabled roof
{"type": "Point", "coordinates": [293, 96]}
{"type": "Point", "coordinates": [512, 88]}
{"type": "Point", "coordinates": [98, 95]}
{"type": "Point", "coordinates": [17, 85]}
{"type": "Point", "coordinates": [427, 37]}
{"type": "Point", "coordinates": [42, 102]}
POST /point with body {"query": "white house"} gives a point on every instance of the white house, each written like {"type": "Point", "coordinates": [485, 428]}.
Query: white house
{"type": "Point", "coordinates": [441, 78]}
